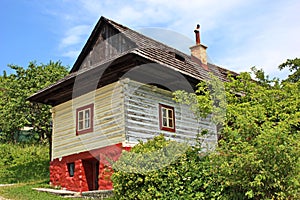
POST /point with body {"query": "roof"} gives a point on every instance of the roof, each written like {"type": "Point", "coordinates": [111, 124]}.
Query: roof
{"type": "Point", "coordinates": [157, 52]}
{"type": "Point", "coordinates": [144, 47]}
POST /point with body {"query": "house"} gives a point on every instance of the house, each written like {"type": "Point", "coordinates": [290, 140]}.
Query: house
{"type": "Point", "coordinates": [119, 91]}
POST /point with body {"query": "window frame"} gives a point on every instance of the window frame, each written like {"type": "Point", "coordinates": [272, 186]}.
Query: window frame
{"type": "Point", "coordinates": [83, 109]}
{"type": "Point", "coordinates": [71, 169]}
{"type": "Point", "coordinates": [161, 126]}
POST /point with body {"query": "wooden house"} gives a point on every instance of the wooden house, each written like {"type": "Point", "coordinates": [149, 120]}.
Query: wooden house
{"type": "Point", "coordinates": [119, 91]}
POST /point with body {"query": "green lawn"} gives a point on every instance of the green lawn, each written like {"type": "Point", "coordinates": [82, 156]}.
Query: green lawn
{"type": "Point", "coordinates": [27, 166]}
{"type": "Point", "coordinates": [23, 191]}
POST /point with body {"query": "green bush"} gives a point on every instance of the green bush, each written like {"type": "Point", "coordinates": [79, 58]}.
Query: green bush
{"type": "Point", "coordinates": [23, 163]}
{"type": "Point", "coordinates": [160, 169]}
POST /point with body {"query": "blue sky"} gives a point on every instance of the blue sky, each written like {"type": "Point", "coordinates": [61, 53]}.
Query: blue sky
{"type": "Point", "coordinates": [239, 34]}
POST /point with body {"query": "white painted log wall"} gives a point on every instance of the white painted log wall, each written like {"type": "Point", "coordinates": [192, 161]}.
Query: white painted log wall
{"type": "Point", "coordinates": [108, 122]}
{"type": "Point", "coordinates": [142, 117]}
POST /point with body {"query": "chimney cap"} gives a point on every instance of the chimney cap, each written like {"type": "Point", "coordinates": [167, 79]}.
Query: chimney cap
{"type": "Point", "coordinates": [197, 34]}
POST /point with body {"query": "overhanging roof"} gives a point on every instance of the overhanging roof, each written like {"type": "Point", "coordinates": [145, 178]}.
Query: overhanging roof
{"type": "Point", "coordinates": [145, 47]}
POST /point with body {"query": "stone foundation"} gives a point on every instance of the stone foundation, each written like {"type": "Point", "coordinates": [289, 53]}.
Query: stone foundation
{"type": "Point", "coordinates": [92, 169]}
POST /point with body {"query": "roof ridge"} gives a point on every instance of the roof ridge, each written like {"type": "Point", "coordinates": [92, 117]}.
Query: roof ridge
{"type": "Point", "coordinates": [146, 37]}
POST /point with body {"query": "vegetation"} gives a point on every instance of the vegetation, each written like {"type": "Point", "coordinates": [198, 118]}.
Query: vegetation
{"type": "Point", "coordinates": [294, 66]}
{"type": "Point", "coordinates": [28, 166]}
{"type": "Point", "coordinates": [22, 160]}
{"type": "Point", "coordinates": [258, 156]}
{"type": "Point", "coordinates": [159, 169]}
{"type": "Point", "coordinates": [25, 192]}
{"type": "Point", "coordinates": [23, 163]}
{"type": "Point", "coordinates": [17, 113]}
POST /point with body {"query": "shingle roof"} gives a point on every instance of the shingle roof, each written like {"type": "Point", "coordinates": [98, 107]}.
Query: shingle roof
{"type": "Point", "coordinates": [162, 54]}
{"type": "Point", "coordinates": [145, 47]}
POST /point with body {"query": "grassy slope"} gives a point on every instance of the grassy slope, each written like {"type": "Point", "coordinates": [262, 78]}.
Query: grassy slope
{"type": "Point", "coordinates": [25, 192]}
{"type": "Point", "coordinates": [27, 165]}
{"type": "Point", "coordinates": [23, 163]}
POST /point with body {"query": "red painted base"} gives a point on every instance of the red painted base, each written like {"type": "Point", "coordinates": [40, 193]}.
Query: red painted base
{"type": "Point", "coordinates": [92, 169]}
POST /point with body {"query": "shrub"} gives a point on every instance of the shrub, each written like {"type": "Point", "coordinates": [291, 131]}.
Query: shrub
{"type": "Point", "coordinates": [23, 163]}
{"type": "Point", "coordinates": [160, 169]}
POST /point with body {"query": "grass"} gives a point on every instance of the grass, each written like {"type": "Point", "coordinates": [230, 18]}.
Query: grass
{"type": "Point", "coordinates": [23, 163]}
{"type": "Point", "coordinates": [28, 167]}
{"type": "Point", "coordinates": [23, 191]}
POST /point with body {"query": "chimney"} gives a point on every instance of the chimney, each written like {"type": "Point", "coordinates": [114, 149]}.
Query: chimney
{"type": "Point", "coordinates": [198, 52]}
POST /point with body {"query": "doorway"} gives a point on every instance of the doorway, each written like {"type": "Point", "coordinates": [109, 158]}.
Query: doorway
{"type": "Point", "coordinates": [91, 169]}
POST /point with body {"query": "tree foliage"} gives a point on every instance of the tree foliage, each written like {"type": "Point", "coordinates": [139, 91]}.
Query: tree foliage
{"type": "Point", "coordinates": [294, 66]}
{"type": "Point", "coordinates": [258, 156]}
{"type": "Point", "coordinates": [16, 112]}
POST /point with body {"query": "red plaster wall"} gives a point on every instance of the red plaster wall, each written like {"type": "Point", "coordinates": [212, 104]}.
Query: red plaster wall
{"type": "Point", "coordinates": [59, 175]}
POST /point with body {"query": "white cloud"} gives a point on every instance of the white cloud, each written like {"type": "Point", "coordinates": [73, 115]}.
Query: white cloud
{"type": "Point", "coordinates": [239, 34]}
{"type": "Point", "coordinates": [75, 35]}
{"type": "Point", "coordinates": [71, 54]}
{"type": "Point", "coordinates": [265, 41]}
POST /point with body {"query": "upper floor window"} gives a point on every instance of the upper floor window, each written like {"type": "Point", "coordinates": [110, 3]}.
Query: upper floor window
{"type": "Point", "coordinates": [166, 118]}
{"type": "Point", "coordinates": [84, 119]}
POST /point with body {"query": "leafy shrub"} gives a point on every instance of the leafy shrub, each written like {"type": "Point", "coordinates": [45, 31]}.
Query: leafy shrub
{"type": "Point", "coordinates": [23, 163]}
{"type": "Point", "coordinates": [160, 169]}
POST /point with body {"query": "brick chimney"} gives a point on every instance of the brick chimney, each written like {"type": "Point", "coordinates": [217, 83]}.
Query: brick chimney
{"type": "Point", "coordinates": [198, 52]}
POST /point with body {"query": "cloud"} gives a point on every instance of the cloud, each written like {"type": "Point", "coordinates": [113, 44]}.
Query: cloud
{"type": "Point", "coordinates": [265, 39]}
{"type": "Point", "coordinates": [71, 54]}
{"type": "Point", "coordinates": [239, 34]}
{"type": "Point", "coordinates": [74, 35]}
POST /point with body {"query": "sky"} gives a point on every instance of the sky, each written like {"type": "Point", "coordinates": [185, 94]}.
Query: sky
{"type": "Point", "coordinates": [239, 34]}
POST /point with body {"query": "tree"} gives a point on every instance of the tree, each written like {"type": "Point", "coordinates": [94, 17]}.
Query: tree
{"type": "Point", "coordinates": [16, 112]}
{"type": "Point", "coordinates": [294, 66]}
{"type": "Point", "coordinates": [258, 155]}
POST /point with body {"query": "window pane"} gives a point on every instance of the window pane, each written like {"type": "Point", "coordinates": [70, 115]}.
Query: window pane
{"type": "Point", "coordinates": [87, 114]}
{"type": "Point", "coordinates": [80, 125]}
{"type": "Point", "coordinates": [164, 111]}
{"type": "Point", "coordinates": [71, 169]}
{"type": "Point", "coordinates": [170, 123]}
{"type": "Point", "coordinates": [165, 122]}
{"type": "Point", "coordinates": [87, 123]}
{"type": "Point", "coordinates": [170, 113]}
{"type": "Point", "coordinates": [80, 115]}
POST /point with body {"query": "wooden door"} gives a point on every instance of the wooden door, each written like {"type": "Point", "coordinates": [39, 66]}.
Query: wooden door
{"type": "Point", "coordinates": [91, 169]}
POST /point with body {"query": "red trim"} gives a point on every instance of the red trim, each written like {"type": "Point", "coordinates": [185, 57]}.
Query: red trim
{"type": "Point", "coordinates": [91, 129]}
{"type": "Point", "coordinates": [160, 118]}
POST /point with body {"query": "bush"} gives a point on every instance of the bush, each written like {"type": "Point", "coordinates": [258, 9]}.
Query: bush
{"type": "Point", "coordinates": [160, 169]}
{"type": "Point", "coordinates": [23, 163]}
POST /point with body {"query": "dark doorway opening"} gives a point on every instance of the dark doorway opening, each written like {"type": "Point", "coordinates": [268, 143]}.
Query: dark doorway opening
{"type": "Point", "coordinates": [91, 169]}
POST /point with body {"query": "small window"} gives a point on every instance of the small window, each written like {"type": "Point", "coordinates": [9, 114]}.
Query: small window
{"type": "Point", "coordinates": [166, 118]}
{"type": "Point", "coordinates": [71, 169]}
{"type": "Point", "coordinates": [84, 119]}
{"type": "Point", "coordinates": [179, 57]}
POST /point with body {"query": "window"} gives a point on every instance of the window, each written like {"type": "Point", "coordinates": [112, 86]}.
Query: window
{"type": "Point", "coordinates": [71, 169]}
{"type": "Point", "coordinates": [84, 119]}
{"type": "Point", "coordinates": [166, 118]}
